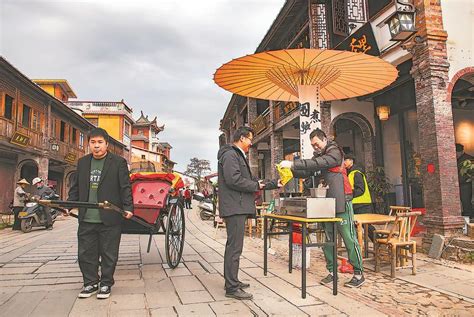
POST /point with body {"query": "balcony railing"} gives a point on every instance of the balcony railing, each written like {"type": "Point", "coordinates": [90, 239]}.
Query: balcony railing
{"type": "Point", "coordinates": [261, 123]}
{"type": "Point", "coordinates": [7, 131]}
{"type": "Point", "coordinates": [283, 110]}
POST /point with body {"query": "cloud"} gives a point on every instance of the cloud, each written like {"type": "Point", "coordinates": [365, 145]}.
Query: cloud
{"type": "Point", "coordinates": [157, 55]}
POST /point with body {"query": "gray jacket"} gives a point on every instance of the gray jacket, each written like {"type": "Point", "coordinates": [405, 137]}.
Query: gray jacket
{"type": "Point", "coordinates": [331, 156]}
{"type": "Point", "coordinates": [237, 187]}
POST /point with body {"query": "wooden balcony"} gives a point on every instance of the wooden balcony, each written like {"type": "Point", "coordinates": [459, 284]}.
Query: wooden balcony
{"type": "Point", "coordinates": [261, 123]}
{"type": "Point", "coordinates": [7, 131]}
{"type": "Point", "coordinates": [65, 152]}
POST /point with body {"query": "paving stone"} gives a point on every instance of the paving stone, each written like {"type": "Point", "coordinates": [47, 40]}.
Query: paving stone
{"type": "Point", "coordinates": [321, 310]}
{"type": "Point", "coordinates": [87, 307]}
{"type": "Point", "coordinates": [129, 287]}
{"type": "Point", "coordinates": [158, 285]}
{"type": "Point", "coordinates": [49, 304]}
{"type": "Point", "coordinates": [17, 270]}
{"type": "Point", "coordinates": [127, 302]}
{"type": "Point", "coordinates": [129, 313]}
{"type": "Point", "coordinates": [187, 283]}
{"type": "Point", "coordinates": [166, 311]}
{"type": "Point", "coordinates": [194, 310]}
{"type": "Point", "coordinates": [214, 284]}
{"type": "Point", "coordinates": [235, 308]}
{"type": "Point", "coordinates": [17, 306]}
{"type": "Point", "coordinates": [162, 299]}
{"type": "Point", "coordinates": [193, 297]}
{"type": "Point", "coordinates": [179, 271]}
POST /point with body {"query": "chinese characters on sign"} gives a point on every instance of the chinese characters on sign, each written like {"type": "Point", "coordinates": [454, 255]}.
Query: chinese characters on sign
{"type": "Point", "coordinates": [360, 45]}
{"type": "Point", "coordinates": [20, 139]}
{"type": "Point", "coordinates": [70, 157]}
{"type": "Point", "coordinates": [309, 120]}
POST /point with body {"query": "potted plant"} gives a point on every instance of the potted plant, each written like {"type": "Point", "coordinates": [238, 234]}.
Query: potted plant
{"type": "Point", "coordinates": [379, 187]}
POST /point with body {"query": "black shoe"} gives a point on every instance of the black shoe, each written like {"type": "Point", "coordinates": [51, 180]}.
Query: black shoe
{"type": "Point", "coordinates": [104, 292]}
{"type": "Point", "coordinates": [328, 279]}
{"type": "Point", "coordinates": [87, 291]}
{"type": "Point", "coordinates": [242, 285]}
{"type": "Point", "coordinates": [355, 282]}
{"type": "Point", "coordinates": [49, 228]}
{"type": "Point", "coordinates": [239, 294]}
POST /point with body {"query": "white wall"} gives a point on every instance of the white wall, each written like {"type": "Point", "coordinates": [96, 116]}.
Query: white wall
{"type": "Point", "coordinates": [458, 21]}
{"type": "Point", "coordinates": [353, 105]}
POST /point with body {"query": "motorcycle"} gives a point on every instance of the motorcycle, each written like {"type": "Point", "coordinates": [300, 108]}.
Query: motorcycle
{"type": "Point", "coordinates": [32, 215]}
{"type": "Point", "coordinates": [206, 209]}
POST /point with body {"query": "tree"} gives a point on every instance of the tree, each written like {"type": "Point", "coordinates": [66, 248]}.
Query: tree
{"type": "Point", "coordinates": [197, 168]}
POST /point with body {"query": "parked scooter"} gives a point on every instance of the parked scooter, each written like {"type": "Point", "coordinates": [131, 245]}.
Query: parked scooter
{"type": "Point", "coordinates": [206, 210]}
{"type": "Point", "coordinates": [33, 216]}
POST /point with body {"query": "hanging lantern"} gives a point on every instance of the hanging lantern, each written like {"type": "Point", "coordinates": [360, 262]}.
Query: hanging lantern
{"type": "Point", "coordinates": [402, 23]}
{"type": "Point", "coordinates": [383, 112]}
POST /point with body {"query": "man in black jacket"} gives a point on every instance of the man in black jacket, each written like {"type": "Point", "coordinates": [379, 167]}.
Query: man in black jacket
{"type": "Point", "coordinates": [237, 190]}
{"type": "Point", "coordinates": [100, 176]}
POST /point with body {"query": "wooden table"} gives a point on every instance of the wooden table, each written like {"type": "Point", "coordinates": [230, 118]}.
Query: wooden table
{"type": "Point", "coordinates": [304, 222]}
{"type": "Point", "coordinates": [365, 220]}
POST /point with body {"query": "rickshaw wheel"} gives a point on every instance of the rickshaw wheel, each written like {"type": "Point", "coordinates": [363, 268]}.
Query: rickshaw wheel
{"type": "Point", "coordinates": [174, 238]}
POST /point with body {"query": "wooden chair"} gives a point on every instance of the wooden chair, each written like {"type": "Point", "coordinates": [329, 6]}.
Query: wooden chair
{"type": "Point", "coordinates": [383, 233]}
{"type": "Point", "coordinates": [398, 244]}
{"type": "Point", "coordinates": [268, 209]}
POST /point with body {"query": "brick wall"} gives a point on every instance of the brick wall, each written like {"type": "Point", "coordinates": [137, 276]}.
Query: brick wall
{"type": "Point", "coordinates": [435, 122]}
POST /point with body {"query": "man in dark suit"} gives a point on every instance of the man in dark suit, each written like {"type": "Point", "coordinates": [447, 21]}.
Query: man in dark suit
{"type": "Point", "coordinates": [237, 190]}
{"type": "Point", "coordinates": [100, 176]}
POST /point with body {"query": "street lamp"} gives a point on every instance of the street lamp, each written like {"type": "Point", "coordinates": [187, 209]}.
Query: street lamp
{"type": "Point", "coordinates": [402, 23]}
{"type": "Point", "coordinates": [383, 111]}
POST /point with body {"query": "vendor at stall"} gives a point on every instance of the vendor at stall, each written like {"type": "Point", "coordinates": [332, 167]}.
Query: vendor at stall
{"type": "Point", "coordinates": [328, 158]}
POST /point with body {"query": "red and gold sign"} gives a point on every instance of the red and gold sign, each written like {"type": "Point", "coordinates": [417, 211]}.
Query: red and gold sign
{"type": "Point", "coordinates": [20, 139]}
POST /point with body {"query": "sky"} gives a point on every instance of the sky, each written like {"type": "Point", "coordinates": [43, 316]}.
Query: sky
{"type": "Point", "coordinates": [158, 55]}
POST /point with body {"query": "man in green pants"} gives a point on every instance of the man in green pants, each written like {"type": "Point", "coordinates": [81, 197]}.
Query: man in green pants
{"type": "Point", "coordinates": [328, 159]}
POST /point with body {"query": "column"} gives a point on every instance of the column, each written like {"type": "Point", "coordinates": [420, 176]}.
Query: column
{"type": "Point", "coordinates": [435, 122]}
{"type": "Point", "coordinates": [253, 153]}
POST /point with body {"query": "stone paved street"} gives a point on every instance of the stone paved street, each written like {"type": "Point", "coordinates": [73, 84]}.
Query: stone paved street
{"type": "Point", "coordinates": [39, 276]}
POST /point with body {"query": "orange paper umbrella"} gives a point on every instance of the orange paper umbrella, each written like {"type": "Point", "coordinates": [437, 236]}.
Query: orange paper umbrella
{"type": "Point", "coordinates": [280, 75]}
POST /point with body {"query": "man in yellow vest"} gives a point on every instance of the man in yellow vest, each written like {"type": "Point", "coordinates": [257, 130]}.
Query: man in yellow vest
{"type": "Point", "coordinates": [362, 201]}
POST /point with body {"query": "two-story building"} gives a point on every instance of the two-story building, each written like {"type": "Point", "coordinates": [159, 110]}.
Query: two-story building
{"type": "Point", "coordinates": [39, 134]}
{"type": "Point", "coordinates": [409, 128]}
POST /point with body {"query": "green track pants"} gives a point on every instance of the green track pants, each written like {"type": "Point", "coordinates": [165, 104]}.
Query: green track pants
{"type": "Point", "coordinates": [346, 229]}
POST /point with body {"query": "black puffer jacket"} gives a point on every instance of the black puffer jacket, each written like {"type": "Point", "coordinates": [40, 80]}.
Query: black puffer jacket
{"type": "Point", "coordinates": [237, 187]}
{"type": "Point", "coordinates": [330, 157]}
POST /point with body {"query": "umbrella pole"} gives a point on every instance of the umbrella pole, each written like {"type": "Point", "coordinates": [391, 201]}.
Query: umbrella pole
{"type": "Point", "coordinates": [310, 118]}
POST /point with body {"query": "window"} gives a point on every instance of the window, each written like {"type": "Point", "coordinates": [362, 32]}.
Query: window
{"type": "Point", "coordinates": [143, 156]}
{"type": "Point", "coordinates": [94, 121]}
{"type": "Point", "coordinates": [25, 119]}
{"type": "Point", "coordinates": [127, 129]}
{"type": "Point", "coordinates": [74, 136]}
{"type": "Point", "coordinates": [8, 107]}
{"type": "Point", "coordinates": [53, 127]}
{"type": "Point", "coordinates": [81, 140]}
{"type": "Point", "coordinates": [36, 124]}
{"type": "Point", "coordinates": [62, 131]}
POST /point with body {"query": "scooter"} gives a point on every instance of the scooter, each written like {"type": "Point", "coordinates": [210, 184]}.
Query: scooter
{"type": "Point", "coordinates": [206, 210]}
{"type": "Point", "coordinates": [32, 215]}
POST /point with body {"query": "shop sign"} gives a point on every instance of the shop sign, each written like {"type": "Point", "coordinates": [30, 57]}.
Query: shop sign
{"type": "Point", "coordinates": [289, 107]}
{"type": "Point", "coordinates": [55, 147]}
{"type": "Point", "coordinates": [259, 124]}
{"type": "Point", "coordinates": [361, 41]}
{"type": "Point", "coordinates": [20, 139]}
{"type": "Point", "coordinates": [70, 157]}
